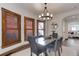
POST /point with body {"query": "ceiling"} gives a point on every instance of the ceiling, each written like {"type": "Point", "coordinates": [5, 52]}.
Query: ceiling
{"type": "Point", "coordinates": [54, 8]}
{"type": "Point", "coordinates": [72, 18]}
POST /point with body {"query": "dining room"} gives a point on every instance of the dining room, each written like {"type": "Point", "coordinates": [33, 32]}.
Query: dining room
{"type": "Point", "coordinates": [39, 29]}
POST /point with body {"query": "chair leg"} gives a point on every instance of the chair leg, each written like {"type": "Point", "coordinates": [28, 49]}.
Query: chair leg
{"type": "Point", "coordinates": [61, 48]}
{"type": "Point", "coordinates": [45, 53]}
{"type": "Point", "coordinates": [31, 53]}
{"type": "Point", "coordinates": [59, 52]}
{"type": "Point", "coordinates": [49, 50]}
{"type": "Point", "coordinates": [55, 53]}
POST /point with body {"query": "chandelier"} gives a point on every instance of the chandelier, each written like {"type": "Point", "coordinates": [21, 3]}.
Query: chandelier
{"type": "Point", "coordinates": [45, 15]}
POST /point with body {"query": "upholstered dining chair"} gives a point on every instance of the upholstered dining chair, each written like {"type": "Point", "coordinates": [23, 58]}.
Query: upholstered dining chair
{"type": "Point", "coordinates": [59, 46]}
{"type": "Point", "coordinates": [55, 35]}
{"type": "Point", "coordinates": [60, 43]}
{"type": "Point", "coordinates": [55, 46]}
{"type": "Point", "coordinates": [36, 48]}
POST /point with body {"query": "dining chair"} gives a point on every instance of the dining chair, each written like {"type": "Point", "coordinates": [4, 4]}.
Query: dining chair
{"type": "Point", "coordinates": [60, 43]}
{"type": "Point", "coordinates": [55, 46]}
{"type": "Point", "coordinates": [36, 48]}
{"type": "Point", "coordinates": [55, 35]}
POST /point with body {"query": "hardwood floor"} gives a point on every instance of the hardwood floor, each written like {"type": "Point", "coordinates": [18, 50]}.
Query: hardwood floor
{"type": "Point", "coordinates": [70, 48]}
{"type": "Point", "coordinates": [72, 43]}
{"type": "Point", "coordinates": [8, 53]}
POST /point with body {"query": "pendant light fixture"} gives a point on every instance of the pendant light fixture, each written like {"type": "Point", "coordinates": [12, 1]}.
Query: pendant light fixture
{"type": "Point", "coordinates": [45, 15]}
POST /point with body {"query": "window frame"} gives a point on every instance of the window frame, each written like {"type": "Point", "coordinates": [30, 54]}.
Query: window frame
{"type": "Point", "coordinates": [25, 29]}
{"type": "Point", "coordinates": [38, 27]}
{"type": "Point", "coordinates": [6, 12]}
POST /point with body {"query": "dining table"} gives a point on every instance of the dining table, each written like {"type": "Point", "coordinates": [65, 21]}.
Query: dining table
{"type": "Point", "coordinates": [44, 40]}
{"type": "Point", "coordinates": [47, 41]}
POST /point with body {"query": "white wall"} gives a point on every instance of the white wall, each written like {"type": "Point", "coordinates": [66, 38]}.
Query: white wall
{"type": "Point", "coordinates": [17, 9]}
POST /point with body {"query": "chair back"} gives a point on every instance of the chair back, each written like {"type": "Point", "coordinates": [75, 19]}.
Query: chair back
{"type": "Point", "coordinates": [32, 43]}
{"type": "Point", "coordinates": [61, 39]}
{"type": "Point", "coordinates": [55, 35]}
{"type": "Point", "coordinates": [58, 43]}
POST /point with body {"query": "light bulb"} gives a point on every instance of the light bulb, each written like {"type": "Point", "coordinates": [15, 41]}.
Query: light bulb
{"type": "Point", "coordinates": [39, 16]}
{"type": "Point", "coordinates": [51, 15]}
{"type": "Point", "coordinates": [47, 14]}
{"type": "Point", "coordinates": [47, 17]}
{"type": "Point", "coordinates": [42, 14]}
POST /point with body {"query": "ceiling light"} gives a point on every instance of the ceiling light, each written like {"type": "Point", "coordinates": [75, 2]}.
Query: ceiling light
{"type": "Point", "coordinates": [39, 16]}
{"type": "Point", "coordinates": [46, 15]}
{"type": "Point", "coordinates": [42, 14]}
{"type": "Point", "coordinates": [51, 15]}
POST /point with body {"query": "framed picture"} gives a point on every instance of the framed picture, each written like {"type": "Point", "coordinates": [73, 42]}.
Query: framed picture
{"type": "Point", "coordinates": [11, 28]}
{"type": "Point", "coordinates": [29, 26]}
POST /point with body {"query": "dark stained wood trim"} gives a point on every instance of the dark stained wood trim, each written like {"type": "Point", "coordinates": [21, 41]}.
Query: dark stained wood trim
{"type": "Point", "coordinates": [33, 25]}
{"type": "Point", "coordinates": [4, 29]}
{"type": "Point", "coordinates": [40, 29]}
{"type": "Point", "coordinates": [8, 53]}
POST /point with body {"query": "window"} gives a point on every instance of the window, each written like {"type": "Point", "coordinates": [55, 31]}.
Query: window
{"type": "Point", "coordinates": [11, 28]}
{"type": "Point", "coordinates": [40, 28]}
{"type": "Point", "coordinates": [75, 28]}
{"type": "Point", "coordinates": [29, 27]}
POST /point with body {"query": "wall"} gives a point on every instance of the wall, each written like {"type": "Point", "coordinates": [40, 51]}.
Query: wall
{"type": "Point", "coordinates": [59, 20]}
{"type": "Point", "coordinates": [17, 9]}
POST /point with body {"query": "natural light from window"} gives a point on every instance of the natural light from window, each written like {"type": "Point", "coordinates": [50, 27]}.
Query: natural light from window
{"type": "Point", "coordinates": [73, 26]}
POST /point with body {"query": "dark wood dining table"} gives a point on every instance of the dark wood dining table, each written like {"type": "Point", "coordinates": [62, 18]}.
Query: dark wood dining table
{"type": "Point", "coordinates": [45, 41]}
